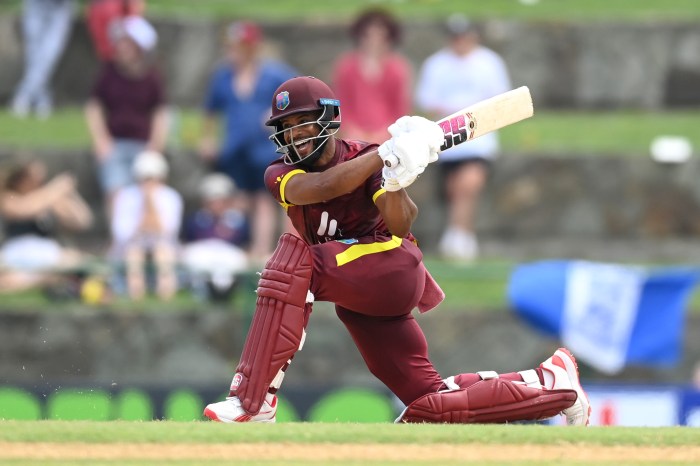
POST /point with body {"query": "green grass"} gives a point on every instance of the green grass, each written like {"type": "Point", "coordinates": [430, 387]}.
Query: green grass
{"type": "Point", "coordinates": [65, 440]}
{"type": "Point", "coordinates": [548, 132]}
{"type": "Point", "coordinates": [341, 10]}
{"type": "Point", "coordinates": [475, 287]}
{"type": "Point", "coordinates": [206, 432]}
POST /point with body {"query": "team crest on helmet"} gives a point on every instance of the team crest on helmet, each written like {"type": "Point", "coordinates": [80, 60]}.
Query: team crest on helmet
{"type": "Point", "coordinates": [282, 100]}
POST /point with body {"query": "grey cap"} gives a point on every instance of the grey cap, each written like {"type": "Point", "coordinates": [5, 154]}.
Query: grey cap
{"type": "Point", "coordinates": [458, 24]}
{"type": "Point", "coordinates": [216, 186]}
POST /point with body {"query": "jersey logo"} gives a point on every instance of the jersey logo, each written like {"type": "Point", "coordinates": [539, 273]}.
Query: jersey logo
{"type": "Point", "coordinates": [282, 100]}
{"type": "Point", "coordinates": [326, 226]}
{"type": "Point", "coordinates": [347, 241]}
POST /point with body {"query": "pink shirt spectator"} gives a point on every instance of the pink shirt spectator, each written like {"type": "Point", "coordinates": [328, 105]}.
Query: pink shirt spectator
{"type": "Point", "coordinates": [369, 104]}
{"type": "Point", "coordinates": [99, 16]}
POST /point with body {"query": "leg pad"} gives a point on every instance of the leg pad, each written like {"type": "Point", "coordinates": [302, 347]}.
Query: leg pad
{"type": "Point", "coordinates": [488, 401]}
{"type": "Point", "coordinates": [277, 330]}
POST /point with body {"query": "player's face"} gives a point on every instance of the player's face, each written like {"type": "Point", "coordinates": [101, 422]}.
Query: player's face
{"type": "Point", "coordinates": [300, 131]}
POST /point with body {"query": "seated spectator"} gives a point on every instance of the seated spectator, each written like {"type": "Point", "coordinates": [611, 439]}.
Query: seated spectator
{"type": "Point", "coordinates": [145, 225]}
{"type": "Point", "coordinates": [216, 236]}
{"type": "Point", "coordinates": [33, 211]}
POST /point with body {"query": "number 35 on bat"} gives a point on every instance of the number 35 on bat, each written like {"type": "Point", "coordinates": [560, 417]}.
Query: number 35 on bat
{"type": "Point", "coordinates": [457, 130]}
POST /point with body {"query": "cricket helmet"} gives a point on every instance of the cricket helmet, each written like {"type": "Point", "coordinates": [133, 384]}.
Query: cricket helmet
{"type": "Point", "coordinates": [299, 95]}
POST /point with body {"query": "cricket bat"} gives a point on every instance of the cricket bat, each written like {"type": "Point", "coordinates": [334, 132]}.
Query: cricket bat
{"type": "Point", "coordinates": [482, 118]}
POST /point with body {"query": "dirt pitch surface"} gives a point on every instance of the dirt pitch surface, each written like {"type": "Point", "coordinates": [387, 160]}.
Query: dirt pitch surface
{"type": "Point", "coordinates": [314, 452]}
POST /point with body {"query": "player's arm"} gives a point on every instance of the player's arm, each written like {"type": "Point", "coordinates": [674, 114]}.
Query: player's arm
{"type": "Point", "coordinates": [398, 211]}
{"type": "Point", "coordinates": [310, 188]}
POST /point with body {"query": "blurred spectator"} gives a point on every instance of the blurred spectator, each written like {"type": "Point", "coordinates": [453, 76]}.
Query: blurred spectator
{"type": "Point", "coordinates": [33, 211]}
{"type": "Point", "coordinates": [46, 25]}
{"type": "Point", "coordinates": [373, 81]}
{"type": "Point", "coordinates": [100, 14]}
{"type": "Point", "coordinates": [216, 236]}
{"type": "Point", "coordinates": [461, 74]}
{"type": "Point", "coordinates": [126, 113]}
{"type": "Point", "coordinates": [145, 226]}
{"type": "Point", "coordinates": [240, 90]}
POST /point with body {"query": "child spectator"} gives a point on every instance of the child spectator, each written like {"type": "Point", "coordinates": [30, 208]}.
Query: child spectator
{"type": "Point", "coordinates": [216, 236]}
{"type": "Point", "coordinates": [145, 226]}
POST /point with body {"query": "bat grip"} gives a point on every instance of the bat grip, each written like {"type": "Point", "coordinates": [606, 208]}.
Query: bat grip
{"type": "Point", "coordinates": [391, 161]}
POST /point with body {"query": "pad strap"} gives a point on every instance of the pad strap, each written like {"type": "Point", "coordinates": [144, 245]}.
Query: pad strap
{"type": "Point", "coordinates": [450, 383]}
{"type": "Point", "coordinates": [488, 401]}
{"type": "Point", "coordinates": [530, 378]}
{"type": "Point", "coordinates": [277, 331]}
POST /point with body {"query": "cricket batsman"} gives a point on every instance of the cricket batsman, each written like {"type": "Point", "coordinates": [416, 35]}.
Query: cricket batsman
{"type": "Point", "coordinates": [356, 250]}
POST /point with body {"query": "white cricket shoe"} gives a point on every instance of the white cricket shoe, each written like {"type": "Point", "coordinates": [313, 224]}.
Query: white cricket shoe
{"type": "Point", "coordinates": [230, 410]}
{"type": "Point", "coordinates": [564, 370]}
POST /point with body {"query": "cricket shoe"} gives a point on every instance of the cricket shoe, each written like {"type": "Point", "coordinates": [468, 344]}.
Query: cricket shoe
{"type": "Point", "coordinates": [563, 368]}
{"type": "Point", "coordinates": [230, 410]}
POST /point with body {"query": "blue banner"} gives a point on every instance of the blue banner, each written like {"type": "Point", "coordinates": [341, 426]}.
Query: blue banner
{"type": "Point", "coordinates": [609, 315]}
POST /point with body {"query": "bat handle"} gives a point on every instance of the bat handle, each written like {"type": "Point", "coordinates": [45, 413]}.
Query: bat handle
{"type": "Point", "coordinates": [391, 161]}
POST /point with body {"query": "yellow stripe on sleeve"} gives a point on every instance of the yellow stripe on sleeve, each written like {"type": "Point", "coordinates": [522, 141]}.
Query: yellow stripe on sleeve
{"type": "Point", "coordinates": [377, 194]}
{"type": "Point", "coordinates": [283, 183]}
{"type": "Point", "coordinates": [358, 250]}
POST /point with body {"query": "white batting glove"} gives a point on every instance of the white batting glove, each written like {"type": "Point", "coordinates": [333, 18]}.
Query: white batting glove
{"type": "Point", "coordinates": [390, 181]}
{"type": "Point", "coordinates": [413, 151]}
{"type": "Point", "coordinates": [407, 150]}
{"type": "Point", "coordinates": [397, 178]}
{"type": "Point", "coordinates": [431, 131]}
{"type": "Point", "coordinates": [401, 125]}
{"type": "Point", "coordinates": [386, 152]}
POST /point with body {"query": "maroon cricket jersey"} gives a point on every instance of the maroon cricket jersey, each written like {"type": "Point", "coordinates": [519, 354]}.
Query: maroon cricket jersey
{"type": "Point", "coordinates": [351, 215]}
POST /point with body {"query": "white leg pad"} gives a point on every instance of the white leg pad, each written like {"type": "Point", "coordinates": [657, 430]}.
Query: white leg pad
{"type": "Point", "coordinates": [486, 375]}
{"type": "Point", "coordinates": [531, 378]}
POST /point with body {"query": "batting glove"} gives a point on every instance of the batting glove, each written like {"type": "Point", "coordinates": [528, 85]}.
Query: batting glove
{"type": "Point", "coordinates": [397, 178]}
{"type": "Point", "coordinates": [432, 132]}
{"type": "Point", "coordinates": [413, 151]}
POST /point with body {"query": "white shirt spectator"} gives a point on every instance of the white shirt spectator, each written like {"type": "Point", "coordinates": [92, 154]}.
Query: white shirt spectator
{"type": "Point", "coordinates": [449, 82]}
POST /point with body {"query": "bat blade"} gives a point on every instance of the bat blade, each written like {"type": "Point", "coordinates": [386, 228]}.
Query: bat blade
{"type": "Point", "coordinates": [483, 117]}
{"type": "Point", "coordinates": [486, 116]}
